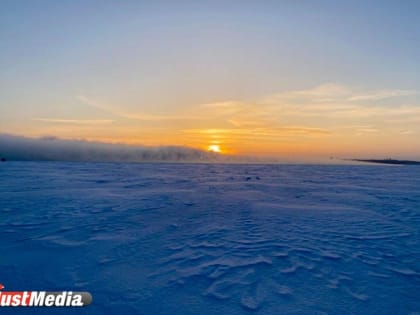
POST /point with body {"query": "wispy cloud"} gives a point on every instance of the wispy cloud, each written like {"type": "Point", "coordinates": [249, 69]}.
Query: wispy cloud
{"type": "Point", "coordinates": [322, 114]}
{"type": "Point", "coordinates": [324, 102]}
{"type": "Point", "coordinates": [327, 100]}
{"type": "Point", "coordinates": [120, 112]}
{"type": "Point", "coordinates": [259, 132]}
{"type": "Point", "coordinates": [75, 121]}
{"type": "Point", "coordinates": [381, 94]}
{"type": "Point", "coordinates": [335, 92]}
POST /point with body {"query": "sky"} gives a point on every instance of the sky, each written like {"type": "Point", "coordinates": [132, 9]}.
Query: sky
{"type": "Point", "coordinates": [296, 79]}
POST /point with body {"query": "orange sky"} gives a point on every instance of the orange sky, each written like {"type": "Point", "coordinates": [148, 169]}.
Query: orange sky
{"type": "Point", "coordinates": [328, 120]}
{"type": "Point", "coordinates": [299, 80]}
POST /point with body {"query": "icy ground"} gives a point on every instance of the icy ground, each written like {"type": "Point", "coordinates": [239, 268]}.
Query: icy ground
{"type": "Point", "coordinates": [213, 239]}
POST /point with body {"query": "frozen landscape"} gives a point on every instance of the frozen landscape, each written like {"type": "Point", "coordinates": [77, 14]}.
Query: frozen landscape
{"type": "Point", "coordinates": [213, 238]}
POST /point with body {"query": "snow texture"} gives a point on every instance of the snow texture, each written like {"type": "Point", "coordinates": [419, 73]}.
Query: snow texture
{"type": "Point", "coordinates": [213, 238]}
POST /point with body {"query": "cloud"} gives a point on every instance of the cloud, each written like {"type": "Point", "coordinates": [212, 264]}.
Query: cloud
{"type": "Point", "coordinates": [54, 149]}
{"type": "Point", "coordinates": [75, 121]}
{"type": "Point", "coordinates": [319, 105]}
{"type": "Point", "coordinates": [122, 113]}
{"type": "Point", "coordinates": [323, 115]}
{"type": "Point", "coordinates": [368, 130]}
{"type": "Point", "coordinates": [332, 92]}
{"type": "Point", "coordinates": [381, 94]}
{"type": "Point", "coordinates": [280, 131]}
{"type": "Point", "coordinates": [407, 132]}
{"type": "Point", "coordinates": [275, 110]}
{"type": "Point", "coordinates": [329, 110]}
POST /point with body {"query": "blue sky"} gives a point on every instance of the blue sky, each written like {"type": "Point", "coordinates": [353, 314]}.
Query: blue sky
{"type": "Point", "coordinates": [84, 69]}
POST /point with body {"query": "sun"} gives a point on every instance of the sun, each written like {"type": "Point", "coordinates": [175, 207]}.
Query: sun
{"type": "Point", "coordinates": [214, 148]}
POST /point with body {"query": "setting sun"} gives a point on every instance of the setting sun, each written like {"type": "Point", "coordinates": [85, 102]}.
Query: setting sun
{"type": "Point", "coordinates": [214, 148]}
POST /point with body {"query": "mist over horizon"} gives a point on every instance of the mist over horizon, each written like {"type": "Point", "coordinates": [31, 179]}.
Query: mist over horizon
{"type": "Point", "coordinates": [20, 148]}
{"type": "Point", "coordinates": [51, 148]}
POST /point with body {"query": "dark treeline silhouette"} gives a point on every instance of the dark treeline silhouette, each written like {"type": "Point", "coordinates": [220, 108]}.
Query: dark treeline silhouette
{"type": "Point", "coordinates": [388, 161]}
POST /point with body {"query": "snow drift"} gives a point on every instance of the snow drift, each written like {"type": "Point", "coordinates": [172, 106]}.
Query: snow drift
{"type": "Point", "coordinates": [208, 239]}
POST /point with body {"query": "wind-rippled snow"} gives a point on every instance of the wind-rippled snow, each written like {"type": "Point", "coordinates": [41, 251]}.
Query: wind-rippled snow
{"type": "Point", "coordinates": [213, 238]}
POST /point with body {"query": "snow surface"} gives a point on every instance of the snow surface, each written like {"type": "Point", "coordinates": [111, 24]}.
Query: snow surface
{"type": "Point", "coordinates": [212, 238]}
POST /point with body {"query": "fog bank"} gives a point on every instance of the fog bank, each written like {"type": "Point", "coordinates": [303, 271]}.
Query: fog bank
{"type": "Point", "coordinates": [18, 148]}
